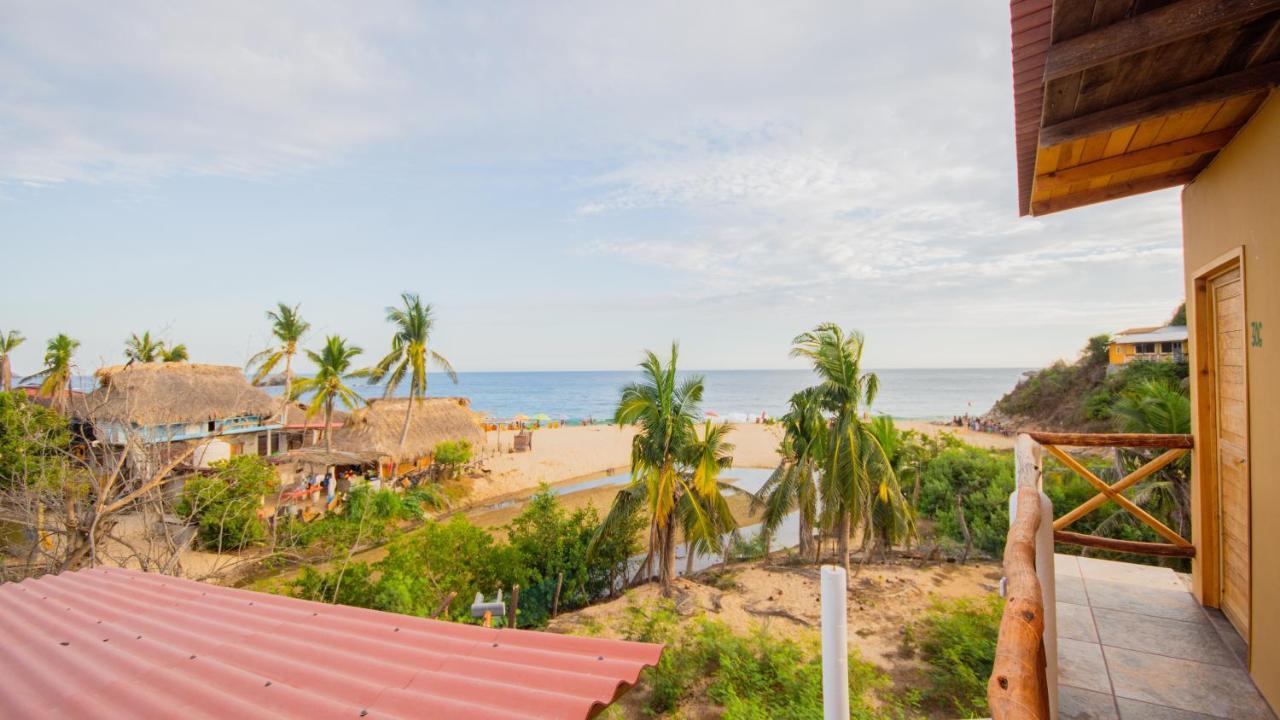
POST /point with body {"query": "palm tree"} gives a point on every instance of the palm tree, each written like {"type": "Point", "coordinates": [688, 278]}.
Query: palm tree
{"type": "Point", "coordinates": [890, 518]}
{"type": "Point", "coordinates": [174, 353]}
{"type": "Point", "coordinates": [333, 366]}
{"type": "Point", "coordinates": [853, 456]}
{"type": "Point", "coordinates": [142, 348]}
{"type": "Point", "coordinates": [288, 327]}
{"type": "Point", "coordinates": [410, 354]}
{"type": "Point", "coordinates": [706, 518]}
{"type": "Point", "coordinates": [668, 461]}
{"type": "Point", "coordinates": [8, 343]}
{"type": "Point", "coordinates": [57, 372]}
{"type": "Point", "coordinates": [793, 485]}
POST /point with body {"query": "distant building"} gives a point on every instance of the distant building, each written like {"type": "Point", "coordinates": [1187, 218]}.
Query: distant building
{"type": "Point", "coordinates": [153, 403]}
{"type": "Point", "coordinates": [1156, 344]}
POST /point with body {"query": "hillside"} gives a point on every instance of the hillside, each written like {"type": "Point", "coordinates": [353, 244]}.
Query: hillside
{"type": "Point", "coordinates": [1078, 396]}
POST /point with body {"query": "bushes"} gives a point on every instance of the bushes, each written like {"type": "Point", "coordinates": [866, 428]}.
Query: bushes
{"type": "Point", "coordinates": [450, 456]}
{"type": "Point", "coordinates": [750, 676]}
{"type": "Point", "coordinates": [957, 639]}
{"type": "Point", "coordinates": [983, 479]}
{"type": "Point", "coordinates": [225, 503]}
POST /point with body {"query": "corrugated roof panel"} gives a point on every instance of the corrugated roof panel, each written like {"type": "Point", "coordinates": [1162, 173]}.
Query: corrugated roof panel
{"type": "Point", "coordinates": [106, 643]}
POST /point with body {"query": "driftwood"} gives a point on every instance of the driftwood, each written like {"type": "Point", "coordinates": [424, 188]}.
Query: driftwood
{"type": "Point", "coordinates": [1018, 689]}
{"type": "Point", "coordinates": [778, 612]}
{"type": "Point", "coordinates": [444, 604]}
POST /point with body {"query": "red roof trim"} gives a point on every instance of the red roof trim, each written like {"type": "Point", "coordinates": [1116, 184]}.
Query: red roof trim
{"type": "Point", "coordinates": [120, 643]}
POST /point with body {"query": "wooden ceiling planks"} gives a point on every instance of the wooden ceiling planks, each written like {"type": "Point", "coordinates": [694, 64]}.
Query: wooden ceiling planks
{"type": "Point", "coordinates": [1139, 93]}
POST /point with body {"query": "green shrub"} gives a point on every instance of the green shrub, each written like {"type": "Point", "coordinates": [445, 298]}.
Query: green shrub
{"type": "Point", "coordinates": [226, 502]}
{"type": "Point", "coordinates": [957, 640]}
{"type": "Point", "coordinates": [451, 455]}
{"type": "Point", "coordinates": [984, 480]}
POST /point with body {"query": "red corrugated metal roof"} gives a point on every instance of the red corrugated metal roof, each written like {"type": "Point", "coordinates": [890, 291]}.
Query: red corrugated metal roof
{"type": "Point", "coordinates": [1030, 22]}
{"type": "Point", "coordinates": [107, 643]}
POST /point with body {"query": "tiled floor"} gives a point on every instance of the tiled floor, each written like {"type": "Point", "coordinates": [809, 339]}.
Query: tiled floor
{"type": "Point", "coordinates": [1133, 644]}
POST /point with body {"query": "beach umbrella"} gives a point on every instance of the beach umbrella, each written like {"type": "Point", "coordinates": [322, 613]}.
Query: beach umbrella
{"type": "Point", "coordinates": [520, 418]}
{"type": "Point", "coordinates": [711, 413]}
{"type": "Point", "coordinates": [542, 417]}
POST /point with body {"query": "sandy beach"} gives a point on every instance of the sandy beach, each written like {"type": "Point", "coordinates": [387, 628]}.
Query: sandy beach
{"type": "Point", "coordinates": [572, 453]}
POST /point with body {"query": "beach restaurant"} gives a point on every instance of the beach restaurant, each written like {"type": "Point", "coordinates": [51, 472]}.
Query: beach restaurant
{"type": "Point", "coordinates": [1114, 98]}
{"type": "Point", "coordinates": [375, 431]}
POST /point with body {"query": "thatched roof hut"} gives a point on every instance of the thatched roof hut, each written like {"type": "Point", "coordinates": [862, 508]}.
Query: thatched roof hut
{"type": "Point", "coordinates": [295, 418]}
{"type": "Point", "coordinates": [149, 394]}
{"type": "Point", "coordinates": [376, 427]}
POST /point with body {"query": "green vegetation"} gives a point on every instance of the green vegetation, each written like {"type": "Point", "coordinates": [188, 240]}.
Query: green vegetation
{"type": "Point", "coordinates": [965, 491]}
{"type": "Point", "coordinates": [752, 676]}
{"type": "Point", "coordinates": [957, 639]}
{"type": "Point", "coordinates": [546, 548]}
{"type": "Point", "coordinates": [288, 327]}
{"type": "Point", "coordinates": [8, 343]}
{"type": "Point", "coordinates": [57, 372]}
{"type": "Point", "coordinates": [450, 456]}
{"type": "Point", "coordinates": [33, 443]}
{"type": "Point", "coordinates": [226, 503]}
{"type": "Point", "coordinates": [144, 349]}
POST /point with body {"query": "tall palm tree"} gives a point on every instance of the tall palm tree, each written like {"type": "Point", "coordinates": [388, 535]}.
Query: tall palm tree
{"type": "Point", "coordinates": [58, 371]}
{"type": "Point", "coordinates": [410, 354]}
{"type": "Point", "coordinates": [853, 456]}
{"type": "Point", "coordinates": [143, 348]}
{"type": "Point", "coordinates": [666, 464]}
{"type": "Point", "coordinates": [793, 484]}
{"type": "Point", "coordinates": [288, 327]}
{"type": "Point", "coordinates": [333, 367]}
{"type": "Point", "coordinates": [174, 353]}
{"type": "Point", "coordinates": [890, 518]}
{"type": "Point", "coordinates": [8, 343]}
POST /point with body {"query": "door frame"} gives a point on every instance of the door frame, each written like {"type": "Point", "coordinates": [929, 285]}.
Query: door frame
{"type": "Point", "coordinates": [1205, 428]}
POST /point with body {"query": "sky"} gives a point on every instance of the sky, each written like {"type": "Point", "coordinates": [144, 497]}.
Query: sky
{"type": "Point", "coordinates": [567, 183]}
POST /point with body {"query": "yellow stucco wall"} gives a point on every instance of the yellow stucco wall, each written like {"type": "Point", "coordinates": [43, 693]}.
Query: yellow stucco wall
{"type": "Point", "coordinates": [1235, 203]}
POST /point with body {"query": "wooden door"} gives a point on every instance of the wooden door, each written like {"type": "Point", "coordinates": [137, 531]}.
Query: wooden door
{"type": "Point", "coordinates": [1231, 421]}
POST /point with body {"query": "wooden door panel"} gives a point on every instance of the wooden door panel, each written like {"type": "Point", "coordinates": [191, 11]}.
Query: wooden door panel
{"type": "Point", "coordinates": [1232, 445]}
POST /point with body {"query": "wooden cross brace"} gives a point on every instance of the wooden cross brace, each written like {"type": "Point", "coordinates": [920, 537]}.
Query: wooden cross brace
{"type": "Point", "coordinates": [1113, 492]}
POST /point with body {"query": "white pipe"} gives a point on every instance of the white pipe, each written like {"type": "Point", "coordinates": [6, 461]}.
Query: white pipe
{"type": "Point", "coordinates": [835, 644]}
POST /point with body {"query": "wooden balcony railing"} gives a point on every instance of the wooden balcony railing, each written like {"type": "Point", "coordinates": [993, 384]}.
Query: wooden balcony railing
{"type": "Point", "coordinates": [1023, 684]}
{"type": "Point", "coordinates": [1176, 446]}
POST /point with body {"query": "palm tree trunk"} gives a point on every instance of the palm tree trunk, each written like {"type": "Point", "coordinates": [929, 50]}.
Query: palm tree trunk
{"type": "Point", "coordinates": [408, 414]}
{"type": "Point", "coordinates": [688, 558]}
{"type": "Point", "coordinates": [328, 420]}
{"type": "Point", "coordinates": [806, 536]}
{"type": "Point", "coordinates": [667, 563]}
{"type": "Point", "coordinates": [6, 374]}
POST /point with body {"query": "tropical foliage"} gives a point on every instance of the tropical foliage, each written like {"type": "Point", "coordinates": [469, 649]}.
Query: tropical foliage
{"type": "Point", "coordinates": [8, 343]}
{"type": "Point", "coordinates": [288, 328]}
{"type": "Point", "coordinates": [55, 377]}
{"type": "Point", "coordinates": [410, 354]}
{"type": "Point", "coordinates": [328, 385]}
{"type": "Point", "coordinates": [674, 471]}
{"type": "Point", "coordinates": [146, 349]}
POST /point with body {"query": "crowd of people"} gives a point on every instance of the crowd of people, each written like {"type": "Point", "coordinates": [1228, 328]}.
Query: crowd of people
{"type": "Point", "coordinates": [980, 424]}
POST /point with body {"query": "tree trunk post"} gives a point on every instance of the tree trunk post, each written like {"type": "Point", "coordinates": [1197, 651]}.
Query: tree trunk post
{"type": "Point", "coordinates": [515, 604]}
{"type": "Point", "coordinates": [555, 600]}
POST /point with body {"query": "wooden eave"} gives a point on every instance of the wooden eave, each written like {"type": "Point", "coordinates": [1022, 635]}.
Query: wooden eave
{"type": "Point", "coordinates": [1118, 97]}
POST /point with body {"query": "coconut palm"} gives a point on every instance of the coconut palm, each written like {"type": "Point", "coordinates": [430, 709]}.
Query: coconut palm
{"type": "Point", "coordinates": [890, 518]}
{"type": "Point", "coordinates": [288, 327]}
{"type": "Point", "coordinates": [853, 457]}
{"type": "Point", "coordinates": [705, 518]}
{"type": "Point", "coordinates": [666, 463]}
{"type": "Point", "coordinates": [410, 354]}
{"type": "Point", "coordinates": [793, 485]}
{"type": "Point", "coordinates": [333, 367]}
{"type": "Point", "coordinates": [143, 348]}
{"type": "Point", "coordinates": [174, 353]}
{"type": "Point", "coordinates": [8, 343]}
{"type": "Point", "coordinates": [57, 373]}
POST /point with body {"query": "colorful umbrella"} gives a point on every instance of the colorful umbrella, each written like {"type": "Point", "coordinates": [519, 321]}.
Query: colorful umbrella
{"type": "Point", "coordinates": [711, 413]}
{"type": "Point", "coordinates": [542, 417]}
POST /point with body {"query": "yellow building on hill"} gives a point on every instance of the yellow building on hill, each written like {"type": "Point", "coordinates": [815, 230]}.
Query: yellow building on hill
{"type": "Point", "coordinates": [1156, 344]}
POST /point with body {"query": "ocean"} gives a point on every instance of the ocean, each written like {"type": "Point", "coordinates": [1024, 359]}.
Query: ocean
{"type": "Point", "coordinates": [734, 395]}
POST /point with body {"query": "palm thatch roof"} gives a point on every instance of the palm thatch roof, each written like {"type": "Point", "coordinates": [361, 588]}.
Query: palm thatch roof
{"type": "Point", "coordinates": [376, 427]}
{"type": "Point", "coordinates": [295, 418]}
{"type": "Point", "coordinates": [148, 394]}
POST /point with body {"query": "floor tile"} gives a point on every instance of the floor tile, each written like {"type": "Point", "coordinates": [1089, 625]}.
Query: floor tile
{"type": "Point", "coordinates": [1134, 710]}
{"type": "Point", "coordinates": [1143, 600]}
{"type": "Point", "coordinates": [1066, 565]}
{"type": "Point", "coordinates": [1080, 665]}
{"type": "Point", "coordinates": [1225, 692]}
{"type": "Point", "coordinates": [1077, 704]}
{"type": "Point", "coordinates": [1149, 576]}
{"type": "Point", "coordinates": [1075, 622]}
{"type": "Point", "coordinates": [1069, 589]}
{"type": "Point", "coordinates": [1162, 636]}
